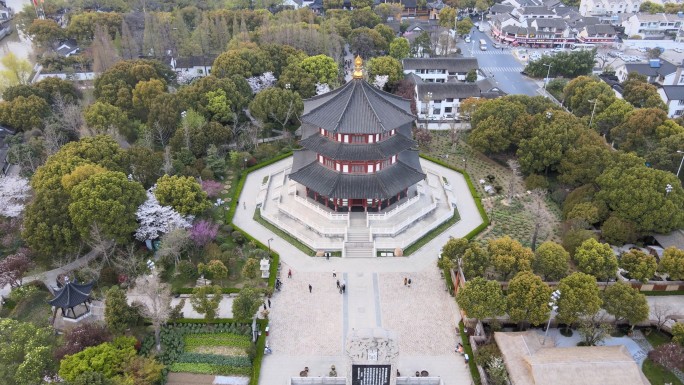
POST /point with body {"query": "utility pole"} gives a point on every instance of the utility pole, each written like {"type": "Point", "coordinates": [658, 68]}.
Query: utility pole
{"type": "Point", "coordinates": [548, 73]}
{"type": "Point", "coordinates": [594, 102]}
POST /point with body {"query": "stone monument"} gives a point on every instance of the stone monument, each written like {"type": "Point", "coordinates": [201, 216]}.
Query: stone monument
{"type": "Point", "coordinates": [372, 356]}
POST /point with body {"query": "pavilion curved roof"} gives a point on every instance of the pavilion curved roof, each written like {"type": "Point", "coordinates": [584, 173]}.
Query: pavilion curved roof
{"type": "Point", "coordinates": [360, 152]}
{"type": "Point", "coordinates": [357, 108]}
{"type": "Point", "coordinates": [72, 294]}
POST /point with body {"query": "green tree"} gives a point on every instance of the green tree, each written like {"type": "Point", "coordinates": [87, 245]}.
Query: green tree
{"type": "Point", "coordinates": [245, 62]}
{"type": "Point", "coordinates": [455, 248]}
{"type": "Point", "coordinates": [183, 193]}
{"type": "Point", "coordinates": [206, 299]}
{"type": "Point", "coordinates": [44, 32]}
{"type": "Point", "coordinates": [118, 314]}
{"type": "Point", "coordinates": [678, 333]}
{"type": "Point", "coordinates": [399, 48]}
{"type": "Point", "coordinates": [638, 131]}
{"type": "Point", "coordinates": [579, 297]}
{"type": "Point", "coordinates": [476, 260]}
{"type": "Point", "coordinates": [617, 231]}
{"type": "Point", "coordinates": [24, 113]}
{"type": "Point", "coordinates": [566, 64]}
{"type": "Point", "coordinates": [322, 67]}
{"type": "Point", "coordinates": [218, 105]}
{"type": "Point", "coordinates": [447, 17]}
{"type": "Point", "coordinates": [642, 95]}
{"type": "Point", "coordinates": [145, 165]}
{"type": "Point", "coordinates": [109, 201]}
{"type": "Point", "coordinates": [471, 76]}
{"type": "Point", "coordinates": [494, 124]}
{"type": "Point", "coordinates": [215, 270]}
{"type": "Point", "coordinates": [109, 359]}
{"type": "Point", "coordinates": [653, 208]}
{"type": "Point", "coordinates": [246, 304]}
{"type": "Point", "coordinates": [26, 355]}
{"type": "Point", "coordinates": [551, 261]}
{"type": "Point", "coordinates": [144, 94]}
{"type": "Point", "coordinates": [103, 116]}
{"type": "Point", "coordinates": [299, 80]}
{"type": "Point", "coordinates": [250, 269]}
{"type": "Point", "coordinates": [16, 71]}
{"type": "Point", "coordinates": [277, 105]}
{"type": "Point", "coordinates": [387, 10]}
{"type": "Point", "coordinates": [509, 256]}
{"type": "Point", "coordinates": [464, 26]}
{"type": "Point", "coordinates": [583, 162]}
{"type": "Point", "coordinates": [596, 259]}
{"type": "Point", "coordinates": [672, 263]}
{"type": "Point", "coordinates": [612, 116]}
{"type": "Point", "coordinates": [528, 298]}
{"type": "Point", "coordinates": [641, 266]}
{"type": "Point", "coordinates": [625, 303]}
{"type": "Point", "coordinates": [385, 65]}
{"type": "Point", "coordinates": [548, 141]}
{"type": "Point", "coordinates": [481, 299]}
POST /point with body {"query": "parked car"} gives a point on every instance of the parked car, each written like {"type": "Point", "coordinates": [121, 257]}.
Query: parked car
{"type": "Point", "coordinates": [467, 38]}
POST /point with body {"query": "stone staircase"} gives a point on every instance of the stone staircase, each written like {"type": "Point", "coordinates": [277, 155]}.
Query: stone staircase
{"type": "Point", "coordinates": [358, 242]}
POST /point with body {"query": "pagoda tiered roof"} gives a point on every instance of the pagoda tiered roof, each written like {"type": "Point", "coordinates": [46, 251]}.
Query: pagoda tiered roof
{"type": "Point", "coordinates": [358, 152]}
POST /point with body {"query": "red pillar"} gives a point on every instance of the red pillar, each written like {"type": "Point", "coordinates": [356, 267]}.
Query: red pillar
{"type": "Point", "coordinates": [365, 204]}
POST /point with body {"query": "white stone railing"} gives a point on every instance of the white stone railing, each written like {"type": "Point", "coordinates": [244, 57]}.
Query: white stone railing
{"type": "Point", "coordinates": [404, 242]}
{"type": "Point", "coordinates": [301, 237]}
{"type": "Point", "coordinates": [394, 230]}
{"type": "Point", "coordinates": [325, 231]}
{"type": "Point", "coordinates": [391, 213]}
{"type": "Point", "coordinates": [327, 214]}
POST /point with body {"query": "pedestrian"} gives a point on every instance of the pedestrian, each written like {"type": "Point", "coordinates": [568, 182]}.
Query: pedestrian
{"type": "Point", "coordinates": [244, 205]}
{"type": "Point", "coordinates": [344, 288]}
{"type": "Point", "coordinates": [340, 289]}
{"type": "Point", "coordinates": [264, 306]}
{"type": "Point", "coordinates": [289, 273]}
{"type": "Point", "coordinates": [338, 283]}
{"type": "Point", "coordinates": [269, 302]}
{"type": "Point", "coordinates": [405, 281]}
{"type": "Point", "coordinates": [409, 282]}
{"type": "Point", "coordinates": [466, 358]}
{"type": "Point", "coordinates": [334, 274]}
{"type": "Point", "coordinates": [310, 288]}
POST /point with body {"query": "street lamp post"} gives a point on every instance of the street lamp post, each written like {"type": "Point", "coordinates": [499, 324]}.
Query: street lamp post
{"type": "Point", "coordinates": [555, 296]}
{"type": "Point", "coordinates": [244, 164]}
{"type": "Point", "coordinates": [269, 247]}
{"type": "Point", "coordinates": [680, 163]}
{"type": "Point", "coordinates": [428, 107]}
{"type": "Point", "coordinates": [548, 73]}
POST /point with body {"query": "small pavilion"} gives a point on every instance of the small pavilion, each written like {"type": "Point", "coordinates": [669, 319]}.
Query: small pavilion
{"type": "Point", "coordinates": [73, 299]}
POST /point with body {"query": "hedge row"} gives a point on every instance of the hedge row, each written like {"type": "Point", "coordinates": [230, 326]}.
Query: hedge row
{"type": "Point", "coordinates": [260, 345]}
{"type": "Point", "coordinates": [188, 290]}
{"type": "Point", "coordinates": [469, 351]}
{"type": "Point", "coordinates": [215, 359]}
{"type": "Point", "coordinates": [216, 339]}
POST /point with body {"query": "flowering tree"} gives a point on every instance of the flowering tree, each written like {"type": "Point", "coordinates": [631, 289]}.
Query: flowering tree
{"type": "Point", "coordinates": [670, 355]}
{"type": "Point", "coordinates": [155, 219]}
{"type": "Point", "coordinates": [13, 268]}
{"type": "Point", "coordinates": [81, 337]}
{"type": "Point", "coordinates": [322, 88]}
{"type": "Point", "coordinates": [203, 232]}
{"type": "Point", "coordinates": [184, 77]}
{"type": "Point", "coordinates": [262, 82]}
{"type": "Point", "coordinates": [380, 81]}
{"type": "Point", "coordinates": [212, 188]}
{"type": "Point", "coordinates": [13, 190]}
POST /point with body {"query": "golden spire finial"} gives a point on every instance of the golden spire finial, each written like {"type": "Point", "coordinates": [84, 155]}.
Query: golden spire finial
{"type": "Point", "coordinates": [358, 68]}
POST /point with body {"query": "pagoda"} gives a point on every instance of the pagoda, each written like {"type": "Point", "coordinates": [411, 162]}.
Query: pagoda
{"type": "Point", "coordinates": [358, 152]}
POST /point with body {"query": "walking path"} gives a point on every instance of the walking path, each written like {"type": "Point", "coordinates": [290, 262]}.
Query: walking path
{"type": "Point", "coordinates": [310, 329]}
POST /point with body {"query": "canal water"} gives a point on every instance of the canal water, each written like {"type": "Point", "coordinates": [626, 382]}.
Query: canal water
{"type": "Point", "coordinates": [15, 43]}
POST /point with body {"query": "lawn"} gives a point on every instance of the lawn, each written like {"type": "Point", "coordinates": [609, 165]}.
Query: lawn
{"type": "Point", "coordinates": [214, 353]}
{"type": "Point", "coordinates": [514, 219]}
{"type": "Point", "coordinates": [658, 375]}
{"type": "Point", "coordinates": [32, 308]}
{"type": "Point", "coordinates": [657, 338]}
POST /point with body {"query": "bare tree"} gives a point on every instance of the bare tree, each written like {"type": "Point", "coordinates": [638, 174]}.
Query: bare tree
{"type": "Point", "coordinates": [101, 244]}
{"type": "Point", "coordinates": [127, 262]}
{"type": "Point", "coordinates": [168, 165]}
{"type": "Point", "coordinates": [163, 134]}
{"type": "Point", "coordinates": [53, 137]}
{"type": "Point", "coordinates": [103, 50]}
{"type": "Point", "coordinates": [155, 300]}
{"type": "Point", "coordinates": [661, 313]}
{"type": "Point", "coordinates": [173, 243]}
{"type": "Point", "coordinates": [515, 181]}
{"type": "Point", "coordinates": [540, 214]}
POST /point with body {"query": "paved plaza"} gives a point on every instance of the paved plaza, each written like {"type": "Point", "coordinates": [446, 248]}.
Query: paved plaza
{"type": "Point", "coordinates": [309, 329]}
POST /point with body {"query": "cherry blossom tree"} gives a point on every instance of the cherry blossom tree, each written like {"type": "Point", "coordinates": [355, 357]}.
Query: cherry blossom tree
{"type": "Point", "coordinates": [262, 82]}
{"type": "Point", "coordinates": [13, 191]}
{"type": "Point", "coordinates": [184, 77]}
{"type": "Point", "coordinates": [155, 219]}
{"type": "Point", "coordinates": [203, 232]}
{"type": "Point", "coordinates": [380, 81]}
{"type": "Point", "coordinates": [212, 188]}
{"type": "Point", "coordinates": [322, 88]}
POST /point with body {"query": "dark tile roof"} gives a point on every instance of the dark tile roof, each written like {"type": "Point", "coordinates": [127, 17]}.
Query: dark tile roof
{"type": "Point", "coordinates": [501, 8]}
{"type": "Point", "coordinates": [512, 29]}
{"type": "Point", "coordinates": [357, 108]}
{"type": "Point", "coordinates": [192, 61]}
{"type": "Point", "coordinates": [441, 91]}
{"type": "Point", "coordinates": [380, 185]}
{"type": "Point", "coordinates": [409, 3]}
{"type": "Point", "coordinates": [373, 151]}
{"type": "Point", "coordinates": [566, 12]}
{"type": "Point", "coordinates": [665, 68]}
{"type": "Point", "coordinates": [600, 29]}
{"type": "Point", "coordinates": [453, 64]}
{"type": "Point", "coordinates": [674, 92]}
{"type": "Point", "coordinates": [413, 78]}
{"type": "Point", "coordinates": [72, 294]}
{"type": "Point", "coordinates": [546, 23]}
{"type": "Point", "coordinates": [535, 10]}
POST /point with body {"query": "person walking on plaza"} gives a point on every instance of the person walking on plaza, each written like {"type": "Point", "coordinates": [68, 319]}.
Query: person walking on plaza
{"type": "Point", "coordinates": [338, 283]}
{"type": "Point", "coordinates": [405, 281]}
{"type": "Point", "coordinates": [289, 273]}
{"type": "Point", "coordinates": [334, 273]}
{"type": "Point", "coordinates": [310, 288]}
{"type": "Point", "coordinates": [409, 282]}
{"type": "Point", "coordinates": [269, 302]}
{"type": "Point", "coordinates": [344, 288]}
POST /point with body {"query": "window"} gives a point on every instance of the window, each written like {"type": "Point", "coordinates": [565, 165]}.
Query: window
{"type": "Point", "coordinates": [370, 138]}
{"type": "Point", "coordinates": [358, 139]}
{"type": "Point", "coordinates": [450, 100]}
{"type": "Point", "coordinates": [371, 168]}
{"type": "Point", "coordinates": [345, 168]}
{"type": "Point", "coordinates": [447, 110]}
{"type": "Point", "coordinates": [199, 71]}
{"type": "Point", "coordinates": [322, 132]}
{"type": "Point", "coordinates": [681, 102]}
{"type": "Point", "coordinates": [320, 159]}
{"type": "Point", "coordinates": [678, 113]}
{"type": "Point", "coordinates": [377, 137]}
{"type": "Point", "coordinates": [339, 137]}
{"type": "Point", "coordinates": [357, 168]}
{"type": "Point", "coordinates": [394, 159]}
{"type": "Point", "coordinates": [329, 163]}
{"type": "Point", "coordinates": [346, 138]}
{"type": "Point", "coordinates": [436, 111]}
{"type": "Point", "coordinates": [337, 166]}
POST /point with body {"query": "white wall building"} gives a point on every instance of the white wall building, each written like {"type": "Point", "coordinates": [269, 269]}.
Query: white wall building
{"type": "Point", "coordinates": [673, 96]}
{"type": "Point", "coordinates": [440, 70]}
{"type": "Point", "coordinates": [649, 26]}
{"type": "Point", "coordinates": [609, 7]}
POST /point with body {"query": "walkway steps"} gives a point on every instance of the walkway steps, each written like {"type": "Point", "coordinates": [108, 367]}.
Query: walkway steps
{"type": "Point", "coordinates": [358, 242]}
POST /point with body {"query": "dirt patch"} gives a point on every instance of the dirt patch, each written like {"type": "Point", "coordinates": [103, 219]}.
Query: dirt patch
{"type": "Point", "coordinates": [189, 379]}
{"type": "Point", "coordinates": [221, 350]}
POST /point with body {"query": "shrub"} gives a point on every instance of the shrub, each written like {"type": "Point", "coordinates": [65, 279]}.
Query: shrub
{"type": "Point", "coordinates": [535, 181]}
{"type": "Point", "coordinates": [187, 269]}
{"type": "Point", "coordinates": [238, 237]}
{"type": "Point", "coordinates": [81, 337]}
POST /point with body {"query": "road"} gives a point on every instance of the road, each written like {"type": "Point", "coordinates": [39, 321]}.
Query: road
{"type": "Point", "coordinates": [500, 66]}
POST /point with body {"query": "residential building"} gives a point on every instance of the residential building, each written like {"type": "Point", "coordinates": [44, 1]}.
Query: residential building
{"type": "Point", "coordinates": [673, 96]}
{"type": "Point", "coordinates": [440, 70]}
{"type": "Point", "coordinates": [5, 12]}
{"type": "Point", "coordinates": [597, 34]}
{"type": "Point", "coordinates": [534, 12]}
{"type": "Point", "coordinates": [67, 48]}
{"type": "Point", "coordinates": [5, 28]}
{"type": "Point", "coordinates": [608, 7]}
{"type": "Point", "coordinates": [358, 153]}
{"type": "Point", "coordinates": [656, 71]}
{"type": "Point", "coordinates": [656, 26]}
